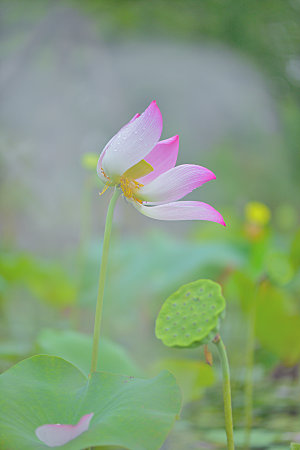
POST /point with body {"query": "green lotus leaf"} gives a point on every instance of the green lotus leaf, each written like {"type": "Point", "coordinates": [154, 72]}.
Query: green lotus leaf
{"type": "Point", "coordinates": [191, 315]}
{"type": "Point", "coordinates": [128, 412]}
{"type": "Point", "coordinates": [76, 348]}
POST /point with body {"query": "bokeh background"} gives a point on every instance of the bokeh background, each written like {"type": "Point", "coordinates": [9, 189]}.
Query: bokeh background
{"type": "Point", "coordinates": [226, 77]}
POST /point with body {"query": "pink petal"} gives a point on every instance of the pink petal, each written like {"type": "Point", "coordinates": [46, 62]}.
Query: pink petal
{"type": "Point", "coordinates": [54, 435]}
{"type": "Point", "coordinates": [175, 184]}
{"type": "Point", "coordinates": [162, 158]}
{"type": "Point", "coordinates": [181, 211]}
{"type": "Point", "coordinates": [133, 119]}
{"type": "Point", "coordinates": [133, 142]}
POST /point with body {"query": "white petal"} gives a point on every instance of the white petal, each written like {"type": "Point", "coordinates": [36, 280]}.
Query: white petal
{"type": "Point", "coordinates": [181, 211]}
{"type": "Point", "coordinates": [175, 184]}
{"type": "Point", "coordinates": [133, 142]}
{"type": "Point", "coordinates": [99, 168]}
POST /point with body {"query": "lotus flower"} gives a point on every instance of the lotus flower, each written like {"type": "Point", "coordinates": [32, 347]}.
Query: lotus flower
{"type": "Point", "coordinates": [144, 168]}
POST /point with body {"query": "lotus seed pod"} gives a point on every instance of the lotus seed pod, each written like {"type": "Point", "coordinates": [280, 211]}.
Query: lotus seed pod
{"type": "Point", "coordinates": [191, 316]}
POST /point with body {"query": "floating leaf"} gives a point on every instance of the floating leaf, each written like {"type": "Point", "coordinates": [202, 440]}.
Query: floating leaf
{"type": "Point", "coordinates": [191, 315]}
{"type": "Point", "coordinates": [77, 348]}
{"type": "Point", "coordinates": [128, 412]}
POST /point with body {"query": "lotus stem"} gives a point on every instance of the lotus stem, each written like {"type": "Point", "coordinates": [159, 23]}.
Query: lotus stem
{"type": "Point", "coordinates": [102, 276]}
{"type": "Point", "coordinates": [249, 375]}
{"type": "Point", "coordinates": [226, 391]}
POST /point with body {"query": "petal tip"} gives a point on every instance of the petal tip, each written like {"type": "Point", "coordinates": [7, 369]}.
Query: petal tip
{"type": "Point", "coordinates": [211, 175]}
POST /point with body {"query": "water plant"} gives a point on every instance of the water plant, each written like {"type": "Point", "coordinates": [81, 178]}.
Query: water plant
{"type": "Point", "coordinates": [190, 317]}
{"type": "Point", "coordinates": [48, 402]}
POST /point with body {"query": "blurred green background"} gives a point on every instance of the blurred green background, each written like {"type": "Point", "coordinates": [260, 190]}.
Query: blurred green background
{"type": "Point", "coordinates": [226, 76]}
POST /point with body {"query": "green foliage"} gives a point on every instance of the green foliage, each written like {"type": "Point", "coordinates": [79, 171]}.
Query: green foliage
{"type": "Point", "coordinates": [277, 316]}
{"type": "Point", "coordinates": [77, 349]}
{"type": "Point", "coordinates": [169, 262]}
{"type": "Point", "coordinates": [259, 437]}
{"type": "Point", "coordinates": [191, 315]}
{"type": "Point", "coordinates": [192, 376]}
{"type": "Point", "coordinates": [295, 446]}
{"type": "Point", "coordinates": [12, 349]}
{"type": "Point", "coordinates": [128, 412]}
{"type": "Point", "coordinates": [45, 280]}
{"type": "Point", "coordinates": [278, 323]}
{"type": "Point", "coordinates": [295, 250]}
{"type": "Point", "coordinates": [279, 268]}
{"type": "Point", "coordinates": [244, 288]}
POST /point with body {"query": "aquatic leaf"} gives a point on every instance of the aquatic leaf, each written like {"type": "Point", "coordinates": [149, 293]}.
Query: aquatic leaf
{"type": "Point", "coordinates": [128, 412]}
{"type": "Point", "coordinates": [76, 348]}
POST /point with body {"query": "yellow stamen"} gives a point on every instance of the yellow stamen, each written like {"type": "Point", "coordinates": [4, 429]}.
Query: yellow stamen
{"type": "Point", "coordinates": [127, 182]}
{"type": "Point", "coordinates": [129, 187]}
{"type": "Point", "coordinates": [104, 174]}
{"type": "Point", "coordinates": [104, 189]}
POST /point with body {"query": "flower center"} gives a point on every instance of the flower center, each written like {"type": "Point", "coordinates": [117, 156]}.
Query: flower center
{"type": "Point", "coordinates": [129, 186]}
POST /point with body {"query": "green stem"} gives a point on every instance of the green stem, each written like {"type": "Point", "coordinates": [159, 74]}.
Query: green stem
{"type": "Point", "coordinates": [226, 391]}
{"type": "Point", "coordinates": [249, 375]}
{"type": "Point", "coordinates": [103, 268]}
